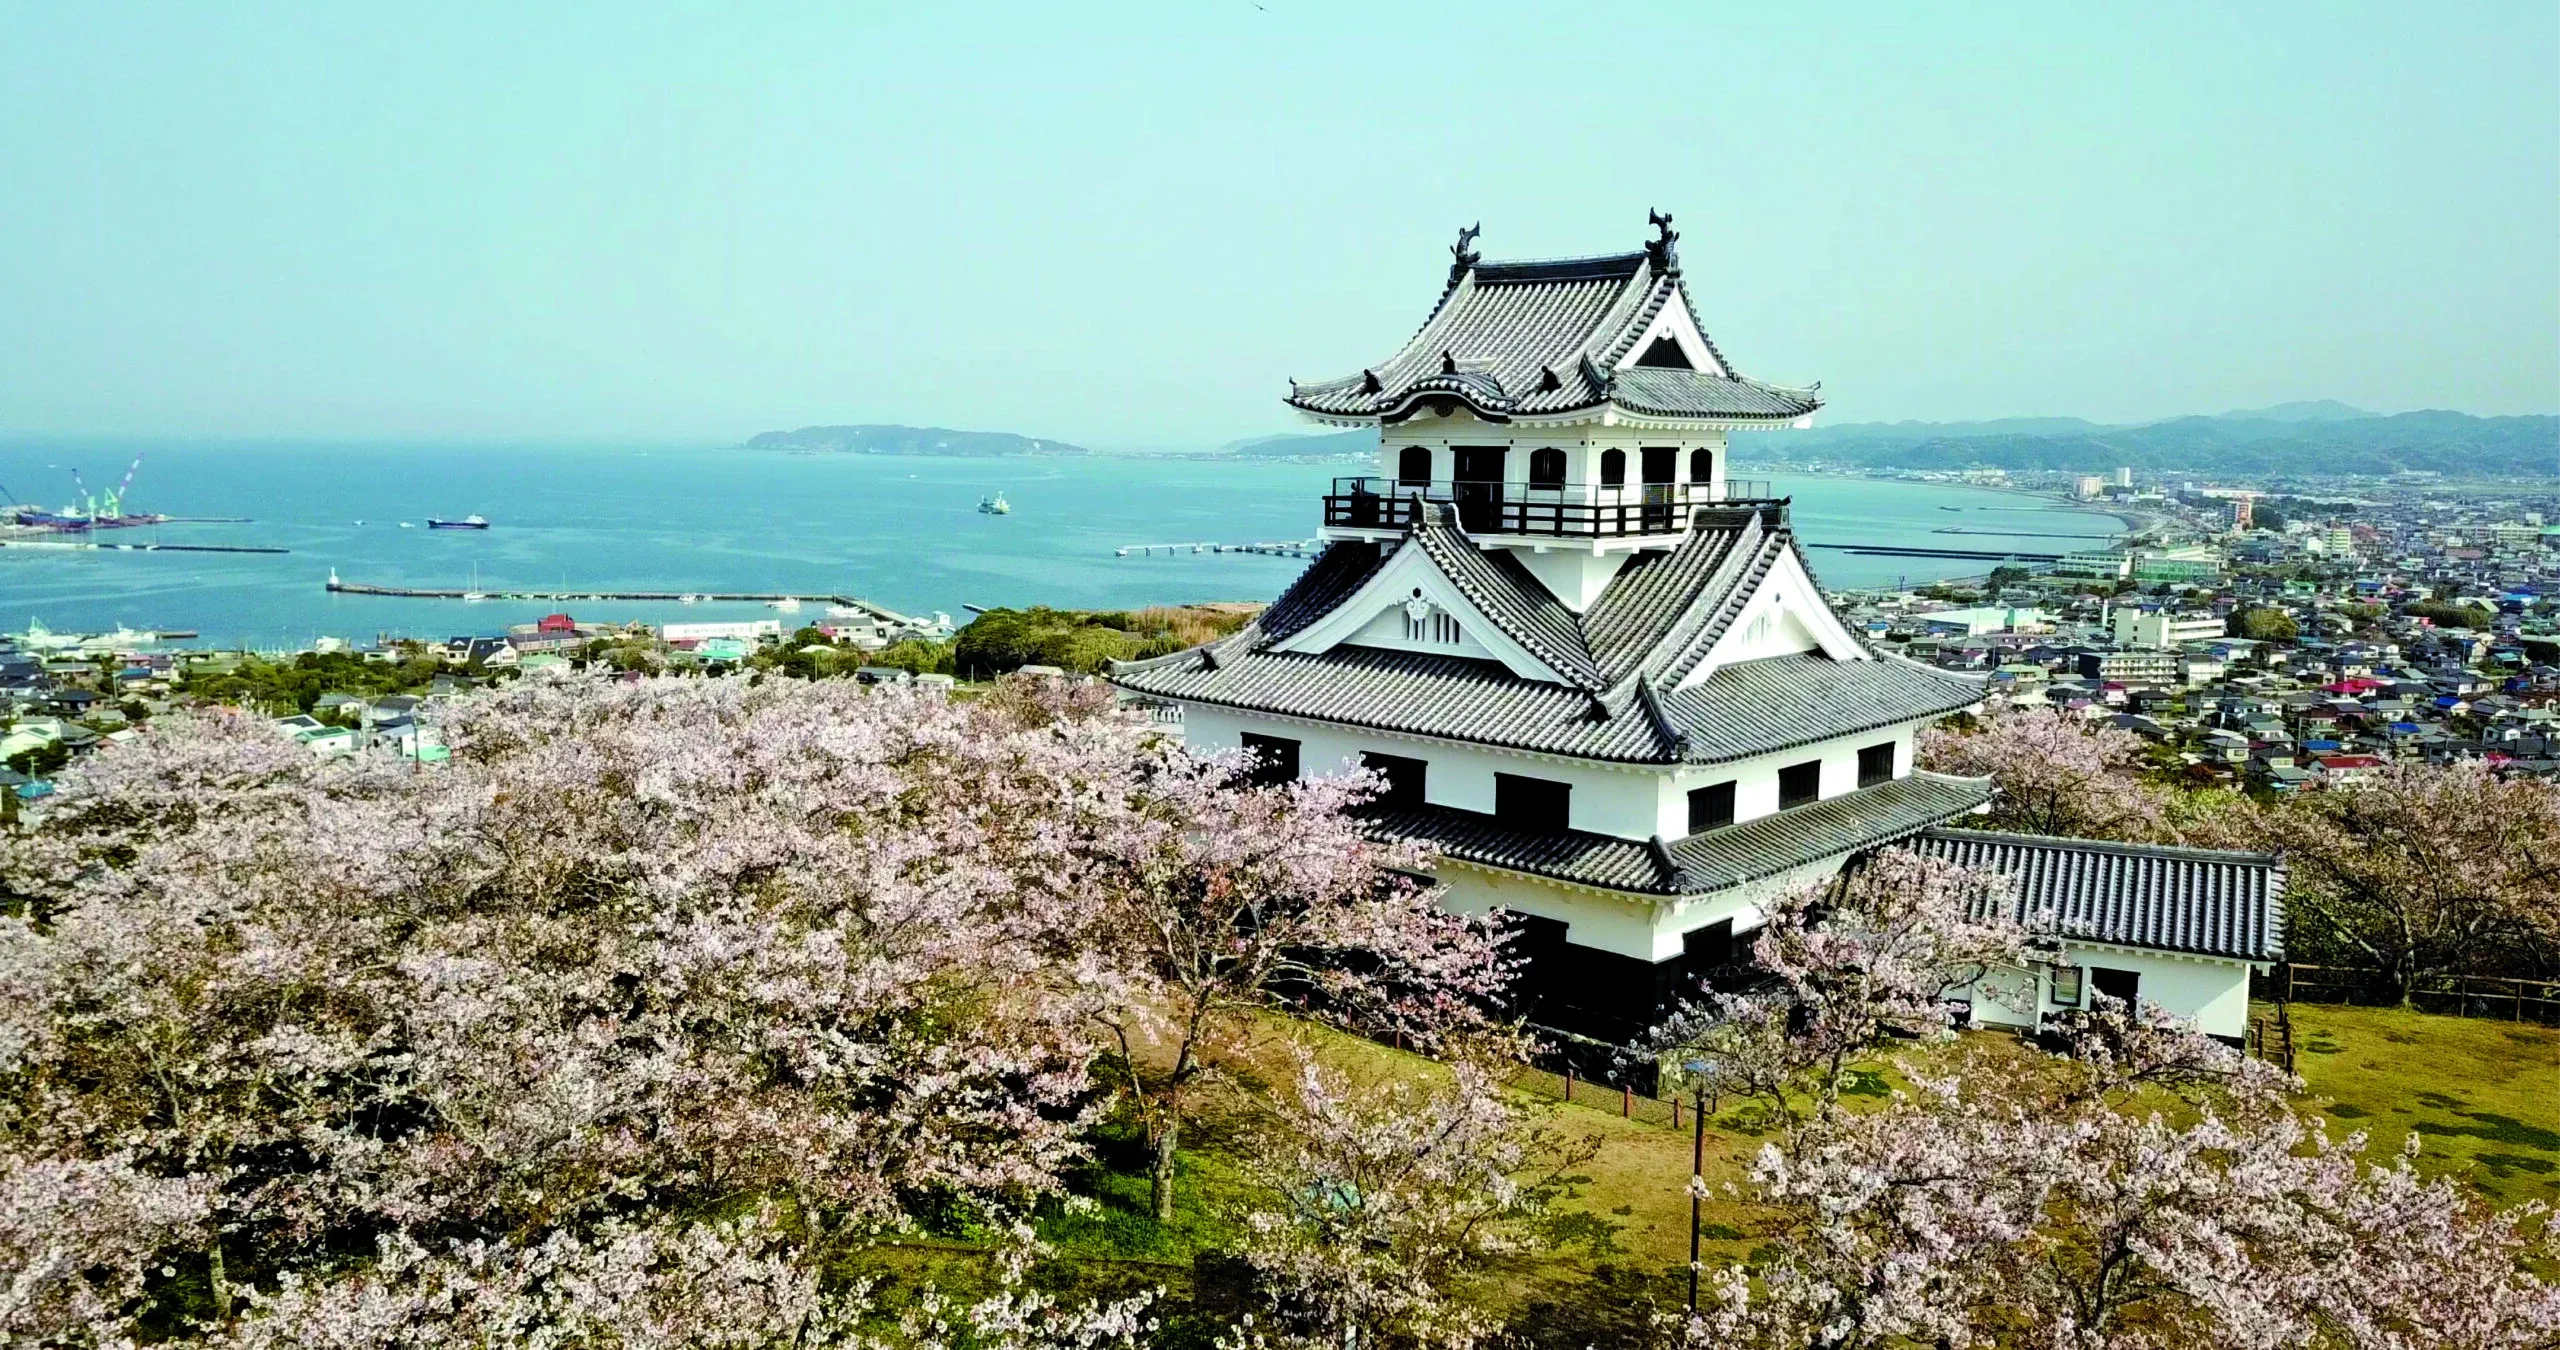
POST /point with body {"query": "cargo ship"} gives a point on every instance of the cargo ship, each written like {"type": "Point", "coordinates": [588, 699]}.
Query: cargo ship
{"type": "Point", "coordinates": [466, 523]}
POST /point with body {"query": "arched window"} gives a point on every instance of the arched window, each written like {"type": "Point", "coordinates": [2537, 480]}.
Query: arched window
{"type": "Point", "coordinates": [1702, 467]}
{"type": "Point", "coordinates": [1613, 468]}
{"type": "Point", "coordinates": [1413, 465]}
{"type": "Point", "coordinates": [1546, 468]}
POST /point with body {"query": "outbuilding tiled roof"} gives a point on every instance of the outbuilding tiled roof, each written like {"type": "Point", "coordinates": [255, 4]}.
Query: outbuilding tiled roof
{"type": "Point", "coordinates": [1713, 860]}
{"type": "Point", "coordinates": [2205, 902]}
{"type": "Point", "coordinates": [1528, 338]}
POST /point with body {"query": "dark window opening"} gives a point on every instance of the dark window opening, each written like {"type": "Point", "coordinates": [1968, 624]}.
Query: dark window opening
{"type": "Point", "coordinates": [1799, 785]}
{"type": "Point", "coordinates": [1546, 468]}
{"type": "Point", "coordinates": [1613, 468]}
{"type": "Point", "coordinates": [1478, 486]}
{"type": "Point", "coordinates": [1875, 765]}
{"type": "Point", "coordinates": [1532, 803]}
{"type": "Point", "coordinates": [1702, 467]}
{"type": "Point", "coordinates": [1404, 778]}
{"type": "Point", "coordinates": [1275, 758]}
{"type": "Point", "coordinates": [1665, 354]}
{"type": "Point", "coordinates": [1413, 465]}
{"type": "Point", "coordinates": [2125, 986]}
{"type": "Point", "coordinates": [1706, 949]}
{"type": "Point", "coordinates": [1710, 806]}
{"type": "Point", "coordinates": [1661, 463]}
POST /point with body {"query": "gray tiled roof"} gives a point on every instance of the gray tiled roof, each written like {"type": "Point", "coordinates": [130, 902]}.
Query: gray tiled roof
{"type": "Point", "coordinates": [1541, 337]}
{"type": "Point", "coordinates": [1711, 861]}
{"type": "Point", "coordinates": [1515, 601]}
{"type": "Point", "coordinates": [2202, 901]}
{"type": "Point", "coordinates": [1621, 659]}
{"type": "Point", "coordinates": [1753, 707]}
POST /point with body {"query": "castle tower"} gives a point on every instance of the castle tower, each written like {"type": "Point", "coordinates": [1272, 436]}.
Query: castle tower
{"type": "Point", "coordinates": [1594, 670]}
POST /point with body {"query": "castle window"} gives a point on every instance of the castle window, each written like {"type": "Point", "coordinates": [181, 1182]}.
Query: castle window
{"type": "Point", "coordinates": [1702, 466]}
{"type": "Point", "coordinates": [1546, 468]}
{"type": "Point", "coordinates": [1875, 765]}
{"type": "Point", "coordinates": [1426, 622]}
{"type": "Point", "coordinates": [1275, 758]}
{"type": "Point", "coordinates": [1413, 465]}
{"type": "Point", "coordinates": [1532, 803]}
{"type": "Point", "coordinates": [1710, 806]}
{"type": "Point", "coordinates": [1404, 778]}
{"type": "Point", "coordinates": [1799, 785]}
{"type": "Point", "coordinates": [1613, 468]}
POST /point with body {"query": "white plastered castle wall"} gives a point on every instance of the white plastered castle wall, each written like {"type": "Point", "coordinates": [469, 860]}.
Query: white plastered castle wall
{"type": "Point", "coordinates": [1631, 802]}
{"type": "Point", "coordinates": [1583, 444]}
{"type": "Point", "coordinates": [2210, 991]}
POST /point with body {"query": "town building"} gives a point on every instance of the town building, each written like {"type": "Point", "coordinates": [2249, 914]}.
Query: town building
{"type": "Point", "coordinates": [1593, 671]}
{"type": "Point", "coordinates": [2165, 628]}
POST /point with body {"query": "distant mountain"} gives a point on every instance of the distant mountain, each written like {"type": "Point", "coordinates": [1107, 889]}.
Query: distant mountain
{"type": "Point", "coordinates": [2315, 410]}
{"type": "Point", "coordinates": [2315, 438]}
{"type": "Point", "coordinates": [889, 440]}
{"type": "Point", "coordinates": [1306, 445]}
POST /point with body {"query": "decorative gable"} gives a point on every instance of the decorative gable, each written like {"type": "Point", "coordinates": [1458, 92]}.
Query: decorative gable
{"type": "Point", "coordinates": [1409, 604]}
{"type": "Point", "coordinates": [1673, 341]}
{"type": "Point", "coordinates": [1784, 615]}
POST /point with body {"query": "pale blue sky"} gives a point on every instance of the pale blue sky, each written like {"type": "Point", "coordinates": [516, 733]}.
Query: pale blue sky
{"type": "Point", "coordinates": [1124, 225]}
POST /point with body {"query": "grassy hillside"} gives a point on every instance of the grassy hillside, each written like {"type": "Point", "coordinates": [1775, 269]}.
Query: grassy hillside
{"type": "Point", "coordinates": [2484, 1095]}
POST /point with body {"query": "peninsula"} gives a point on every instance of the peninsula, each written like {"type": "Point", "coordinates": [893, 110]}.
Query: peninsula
{"type": "Point", "coordinates": [897, 440]}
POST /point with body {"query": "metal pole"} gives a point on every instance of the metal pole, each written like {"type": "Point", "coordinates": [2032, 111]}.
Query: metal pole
{"type": "Point", "coordinates": [1697, 1174]}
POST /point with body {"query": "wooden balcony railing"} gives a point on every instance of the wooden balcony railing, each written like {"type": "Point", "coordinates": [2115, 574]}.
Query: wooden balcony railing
{"type": "Point", "coordinates": [1566, 510]}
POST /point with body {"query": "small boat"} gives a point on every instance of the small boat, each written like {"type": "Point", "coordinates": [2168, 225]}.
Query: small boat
{"type": "Point", "coordinates": [994, 506]}
{"type": "Point", "coordinates": [466, 523]}
{"type": "Point", "coordinates": [688, 599]}
{"type": "Point", "coordinates": [786, 604]}
{"type": "Point", "coordinates": [473, 595]}
{"type": "Point", "coordinates": [407, 526]}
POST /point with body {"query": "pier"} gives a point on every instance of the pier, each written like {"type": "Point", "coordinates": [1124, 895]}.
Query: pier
{"type": "Point", "coordinates": [88, 544]}
{"type": "Point", "coordinates": [880, 612]}
{"type": "Point", "coordinates": [1895, 551]}
{"type": "Point", "coordinates": [1285, 548]}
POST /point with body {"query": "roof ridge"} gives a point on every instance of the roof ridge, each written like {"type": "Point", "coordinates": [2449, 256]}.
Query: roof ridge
{"type": "Point", "coordinates": [2123, 847]}
{"type": "Point", "coordinates": [1450, 549]}
{"type": "Point", "coordinates": [1681, 653]}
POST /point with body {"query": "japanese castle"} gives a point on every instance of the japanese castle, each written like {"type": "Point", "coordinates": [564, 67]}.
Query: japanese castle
{"type": "Point", "coordinates": [1598, 675]}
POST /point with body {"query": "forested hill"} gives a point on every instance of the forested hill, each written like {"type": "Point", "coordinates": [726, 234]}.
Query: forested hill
{"type": "Point", "coordinates": [894, 440]}
{"type": "Point", "coordinates": [2332, 439]}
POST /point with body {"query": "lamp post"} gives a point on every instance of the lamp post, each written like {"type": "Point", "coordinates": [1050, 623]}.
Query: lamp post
{"type": "Point", "coordinates": [1697, 1171]}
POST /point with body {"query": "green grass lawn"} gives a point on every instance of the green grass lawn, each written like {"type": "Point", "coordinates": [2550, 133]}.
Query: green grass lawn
{"type": "Point", "coordinates": [2483, 1095]}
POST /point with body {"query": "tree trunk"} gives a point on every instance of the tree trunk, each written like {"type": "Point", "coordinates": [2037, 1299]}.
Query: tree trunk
{"type": "Point", "coordinates": [1160, 1174]}
{"type": "Point", "coordinates": [216, 1278]}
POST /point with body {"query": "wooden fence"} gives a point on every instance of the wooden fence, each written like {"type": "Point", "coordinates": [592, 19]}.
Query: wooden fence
{"type": "Point", "coordinates": [2497, 996]}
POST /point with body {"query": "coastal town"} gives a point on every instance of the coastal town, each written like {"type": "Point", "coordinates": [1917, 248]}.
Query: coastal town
{"type": "Point", "coordinates": [2262, 639]}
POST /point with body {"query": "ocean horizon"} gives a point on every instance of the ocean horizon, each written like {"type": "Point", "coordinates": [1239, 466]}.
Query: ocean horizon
{"type": "Point", "coordinates": [900, 531]}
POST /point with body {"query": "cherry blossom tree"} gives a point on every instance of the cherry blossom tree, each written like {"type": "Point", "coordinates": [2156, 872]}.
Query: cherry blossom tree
{"type": "Point", "coordinates": [2420, 870]}
{"type": "Point", "coordinates": [2041, 1205]}
{"type": "Point", "coordinates": [1878, 951]}
{"type": "Point", "coordinates": [639, 953]}
{"type": "Point", "coordinates": [2053, 774]}
{"type": "Point", "coordinates": [1382, 1202]}
{"type": "Point", "coordinates": [1219, 901]}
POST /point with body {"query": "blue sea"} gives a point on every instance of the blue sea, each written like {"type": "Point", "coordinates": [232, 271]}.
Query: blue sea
{"type": "Point", "coordinates": [900, 531]}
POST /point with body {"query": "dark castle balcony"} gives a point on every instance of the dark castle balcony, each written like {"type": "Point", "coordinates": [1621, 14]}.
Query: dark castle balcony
{"type": "Point", "coordinates": [1557, 510]}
